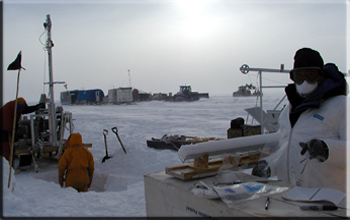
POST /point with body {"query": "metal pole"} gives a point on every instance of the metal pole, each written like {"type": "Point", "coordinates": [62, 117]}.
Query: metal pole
{"type": "Point", "coordinates": [261, 104]}
{"type": "Point", "coordinates": [52, 109]}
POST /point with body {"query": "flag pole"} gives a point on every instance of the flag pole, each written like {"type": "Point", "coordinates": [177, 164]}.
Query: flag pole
{"type": "Point", "coordinates": [15, 65]}
{"type": "Point", "coordinates": [13, 130]}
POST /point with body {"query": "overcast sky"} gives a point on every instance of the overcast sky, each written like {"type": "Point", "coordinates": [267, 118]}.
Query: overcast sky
{"type": "Point", "coordinates": [166, 43]}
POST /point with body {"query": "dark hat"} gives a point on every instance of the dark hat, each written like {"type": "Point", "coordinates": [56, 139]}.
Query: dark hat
{"type": "Point", "coordinates": [307, 57]}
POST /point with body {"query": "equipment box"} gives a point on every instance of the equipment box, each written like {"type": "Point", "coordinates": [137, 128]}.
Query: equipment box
{"type": "Point", "coordinates": [244, 130]}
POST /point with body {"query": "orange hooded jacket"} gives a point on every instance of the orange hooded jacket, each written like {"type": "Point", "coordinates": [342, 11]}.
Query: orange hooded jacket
{"type": "Point", "coordinates": [77, 164]}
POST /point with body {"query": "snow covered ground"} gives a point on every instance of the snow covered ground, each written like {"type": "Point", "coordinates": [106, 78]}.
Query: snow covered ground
{"type": "Point", "coordinates": [118, 189]}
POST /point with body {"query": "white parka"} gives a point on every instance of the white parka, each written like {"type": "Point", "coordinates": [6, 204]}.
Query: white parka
{"type": "Point", "coordinates": [328, 123]}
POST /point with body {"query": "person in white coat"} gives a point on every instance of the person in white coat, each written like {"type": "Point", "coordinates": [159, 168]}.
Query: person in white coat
{"type": "Point", "coordinates": [312, 148]}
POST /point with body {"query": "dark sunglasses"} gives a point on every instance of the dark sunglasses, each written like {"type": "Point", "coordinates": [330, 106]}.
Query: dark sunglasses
{"type": "Point", "coordinates": [310, 74]}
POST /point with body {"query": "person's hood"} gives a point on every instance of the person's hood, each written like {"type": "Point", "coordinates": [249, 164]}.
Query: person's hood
{"type": "Point", "coordinates": [21, 104]}
{"type": "Point", "coordinates": [334, 84]}
{"type": "Point", "coordinates": [21, 100]}
{"type": "Point", "coordinates": [74, 140]}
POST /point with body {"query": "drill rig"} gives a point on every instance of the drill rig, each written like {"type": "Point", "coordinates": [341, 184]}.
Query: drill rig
{"type": "Point", "coordinates": [41, 135]}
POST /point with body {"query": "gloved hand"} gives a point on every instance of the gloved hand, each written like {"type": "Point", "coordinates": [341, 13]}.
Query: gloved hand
{"type": "Point", "coordinates": [41, 105]}
{"type": "Point", "coordinates": [60, 181]}
{"type": "Point", "coordinates": [316, 148]}
{"type": "Point", "coordinates": [262, 169]}
{"type": "Point", "coordinates": [90, 180]}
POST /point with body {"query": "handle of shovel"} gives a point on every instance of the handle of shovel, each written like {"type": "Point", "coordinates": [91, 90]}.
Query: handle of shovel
{"type": "Point", "coordinates": [115, 130]}
{"type": "Point", "coordinates": [105, 132]}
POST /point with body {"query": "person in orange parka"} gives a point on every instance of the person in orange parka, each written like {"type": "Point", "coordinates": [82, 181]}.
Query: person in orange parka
{"type": "Point", "coordinates": [6, 122]}
{"type": "Point", "coordinates": [76, 164]}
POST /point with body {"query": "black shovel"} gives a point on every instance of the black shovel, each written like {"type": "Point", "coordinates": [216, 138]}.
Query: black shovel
{"type": "Point", "coordinates": [105, 132]}
{"type": "Point", "coordinates": [115, 131]}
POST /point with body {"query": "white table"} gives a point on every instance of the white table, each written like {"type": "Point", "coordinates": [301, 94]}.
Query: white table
{"type": "Point", "coordinates": [167, 196]}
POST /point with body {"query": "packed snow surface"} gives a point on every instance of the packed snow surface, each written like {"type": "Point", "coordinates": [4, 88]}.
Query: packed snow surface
{"type": "Point", "coordinates": [118, 189]}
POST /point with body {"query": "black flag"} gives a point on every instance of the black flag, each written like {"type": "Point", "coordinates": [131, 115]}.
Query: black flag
{"type": "Point", "coordinates": [16, 65]}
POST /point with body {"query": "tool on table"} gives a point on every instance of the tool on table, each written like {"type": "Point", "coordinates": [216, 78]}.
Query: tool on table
{"type": "Point", "coordinates": [240, 181]}
{"type": "Point", "coordinates": [227, 183]}
{"type": "Point", "coordinates": [319, 207]}
{"type": "Point", "coordinates": [267, 203]}
{"type": "Point", "coordinates": [115, 131]}
{"type": "Point", "coordinates": [105, 132]}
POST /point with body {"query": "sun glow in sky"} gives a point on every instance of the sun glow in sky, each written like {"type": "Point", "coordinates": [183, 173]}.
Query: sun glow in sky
{"type": "Point", "coordinates": [166, 43]}
{"type": "Point", "coordinates": [197, 21]}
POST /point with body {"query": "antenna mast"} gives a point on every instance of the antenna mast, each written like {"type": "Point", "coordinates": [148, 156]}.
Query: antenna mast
{"type": "Point", "coordinates": [51, 107]}
{"type": "Point", "coordinates": [129, 78]}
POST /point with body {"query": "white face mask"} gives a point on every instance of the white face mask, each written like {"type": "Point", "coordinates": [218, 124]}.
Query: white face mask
{"type": "Point", "coordinates": [306, 88]}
